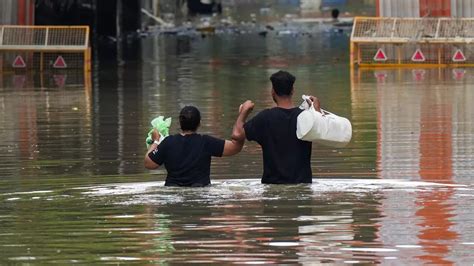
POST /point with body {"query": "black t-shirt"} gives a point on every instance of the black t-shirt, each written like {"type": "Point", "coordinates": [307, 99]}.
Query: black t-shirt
{"type": "Point", "coordinates": [187, 158]}
{"type": "Point", "coordinates": [286, 159]}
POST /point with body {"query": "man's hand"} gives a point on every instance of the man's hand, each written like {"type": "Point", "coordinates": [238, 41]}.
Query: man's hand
{"type": "Point", "coordinates": [155, 135]}
{"type": "Point", "coordinates": [149, 164]}
{"type": "Point", "coordinates": [236, 143]}
{"type": "Point", "coordinates": [246, 107]}
{"type": "Point", "coordinates": [315, 102]}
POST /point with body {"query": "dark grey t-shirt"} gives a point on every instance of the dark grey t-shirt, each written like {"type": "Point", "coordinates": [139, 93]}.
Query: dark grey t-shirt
{"type": "Point", "coordinates": [286, 159]}
{"type": "Point", "coordinates": [187, 158]}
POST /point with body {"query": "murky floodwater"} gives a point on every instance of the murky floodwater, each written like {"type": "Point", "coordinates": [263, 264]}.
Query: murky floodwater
{"type": "Point", "coordinates": [73, 189]}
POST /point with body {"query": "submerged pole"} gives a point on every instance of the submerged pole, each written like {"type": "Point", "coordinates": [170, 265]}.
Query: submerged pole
{"type": "Point", "coordinates": [118, 19]}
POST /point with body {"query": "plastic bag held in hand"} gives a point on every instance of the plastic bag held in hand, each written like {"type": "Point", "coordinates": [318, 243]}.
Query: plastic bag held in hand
{"type": "Point", "coordinates": [325, 128]}
{"type": "Point", "coordinates": [162, 126]}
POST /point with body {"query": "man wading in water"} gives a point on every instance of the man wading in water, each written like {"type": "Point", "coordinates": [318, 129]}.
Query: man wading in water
{"type": "Point", "coordinates": [286, 159]}
{"type": "Point", "coordinates": [187, 156]}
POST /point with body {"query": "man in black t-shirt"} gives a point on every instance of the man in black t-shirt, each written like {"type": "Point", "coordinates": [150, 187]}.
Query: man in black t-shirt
{"type": "Point", "coordinates": [286, 159]}
{"type": "Point", "coordinates": [187, 156]}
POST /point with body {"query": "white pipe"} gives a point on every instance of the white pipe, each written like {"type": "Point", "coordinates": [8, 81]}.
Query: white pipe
{"type": "Point", "coordinates": [416, 9]}
{"type": "Point", "coordinates": [383, 9]}
{"type": "Point", "coordinates": [454, 9]}
{"type": "Point", "coordinates": [466, 8]}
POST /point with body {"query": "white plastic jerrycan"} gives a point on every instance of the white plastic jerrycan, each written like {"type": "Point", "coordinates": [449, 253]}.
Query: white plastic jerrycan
{"type": "Point", "coordinates": [325, 128]}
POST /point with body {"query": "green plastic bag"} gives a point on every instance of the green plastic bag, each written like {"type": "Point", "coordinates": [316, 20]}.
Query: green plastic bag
{"type": "Point", "coordinates": [163, 127]}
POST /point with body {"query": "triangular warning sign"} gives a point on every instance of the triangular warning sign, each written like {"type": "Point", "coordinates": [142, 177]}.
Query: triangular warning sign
{"type": "Point", "coordinates": [418, 56]}
{"type": "Point", "coordinates": [19, 62]}
{"type": "Point", "coordinates": [60, 63]}
{"type": "Point", "coordinates": [60, 80]}
{"type": "Point", "coordinates": [380, 55]}
{"type": "Point", "coordinates": [459, 56]}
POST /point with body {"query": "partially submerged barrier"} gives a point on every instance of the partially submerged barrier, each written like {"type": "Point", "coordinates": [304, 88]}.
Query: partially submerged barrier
{"type": "Point", "coordinates": [44, 47]}
{"type": "Point", "coordinates": [412, 41]}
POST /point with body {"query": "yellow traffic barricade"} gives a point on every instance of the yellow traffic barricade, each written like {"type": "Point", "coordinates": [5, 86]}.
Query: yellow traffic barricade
{"type": "Point", "coordinates": [44, 48]}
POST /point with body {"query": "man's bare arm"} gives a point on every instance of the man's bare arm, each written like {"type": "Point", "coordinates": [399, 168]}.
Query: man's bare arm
{"type": "Point", "coordinates": [237, 141]}
{"type": "Point", "coordinates": [149, 163]}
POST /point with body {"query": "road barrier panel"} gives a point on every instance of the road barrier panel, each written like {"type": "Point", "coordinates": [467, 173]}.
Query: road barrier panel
{"type": "Point", "coordinates": [44, 47]}
{"type": "Point", "coordinates": [382, 42]}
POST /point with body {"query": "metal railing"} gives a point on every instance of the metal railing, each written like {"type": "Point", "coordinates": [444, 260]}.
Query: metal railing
{"type": "Point", "coordinates": [430, 30]}
{"type": "Point", "coordinates": [68, 38]}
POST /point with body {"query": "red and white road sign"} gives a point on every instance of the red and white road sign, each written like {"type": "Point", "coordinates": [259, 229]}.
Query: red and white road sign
{"type": "Point", "coordinates": [19, 62]}
{"type": "Point", "coordinates": [380, 55]}
{"type": "Point", "coordinates": [418, 56]}
{"type": "Point", "coordinates": [459, 56]}
{"type": "Point", "coordinates": [60, 63]}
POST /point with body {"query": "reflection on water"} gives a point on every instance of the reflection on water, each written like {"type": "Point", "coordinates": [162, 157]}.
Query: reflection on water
{"type": "Point", "coordinates": [424, 121]}
{"type": "Point", "coordinates": [73, 189]}
{"type": "Point", "coordinates": [425, 131]}
{"type": "Point", "coordinates": [234, 220]}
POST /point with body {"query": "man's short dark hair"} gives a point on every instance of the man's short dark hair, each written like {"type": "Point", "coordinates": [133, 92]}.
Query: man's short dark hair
{"type": "Point", "coordinates": [189, 118]}
{"type": "Point", "coordinates": [282, 83]}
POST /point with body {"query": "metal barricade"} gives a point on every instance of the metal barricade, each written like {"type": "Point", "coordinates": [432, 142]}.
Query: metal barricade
{"type": "Point", "coordinates": [412, 41]}
{"type": "Point", "coordinates": [44, 47]}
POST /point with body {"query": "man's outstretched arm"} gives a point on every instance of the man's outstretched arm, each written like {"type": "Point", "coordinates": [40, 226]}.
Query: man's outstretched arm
{"type": "Point", "coordinates": [237, 141]}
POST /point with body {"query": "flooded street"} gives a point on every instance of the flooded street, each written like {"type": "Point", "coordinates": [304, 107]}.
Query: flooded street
{"type": "Point", "coordinates": [73, 188]}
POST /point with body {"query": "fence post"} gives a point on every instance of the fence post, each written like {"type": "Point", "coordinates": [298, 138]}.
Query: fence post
{"type": "Point", "coordinates": [1, 54]}
{"type": "Point", "coordinates": [437, 28]}
{"type": "Point", "coordinates": [399, 53]}
{"type": "Point", "coordinates": [352, 54]}
{"type": "Point", "coordinates": [393, 27]}
{"type": "Point", "coordinates": [1, 34]}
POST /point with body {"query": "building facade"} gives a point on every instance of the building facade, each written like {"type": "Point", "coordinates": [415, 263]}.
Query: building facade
{"type": "Point", "coordinates": [425, 8]}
